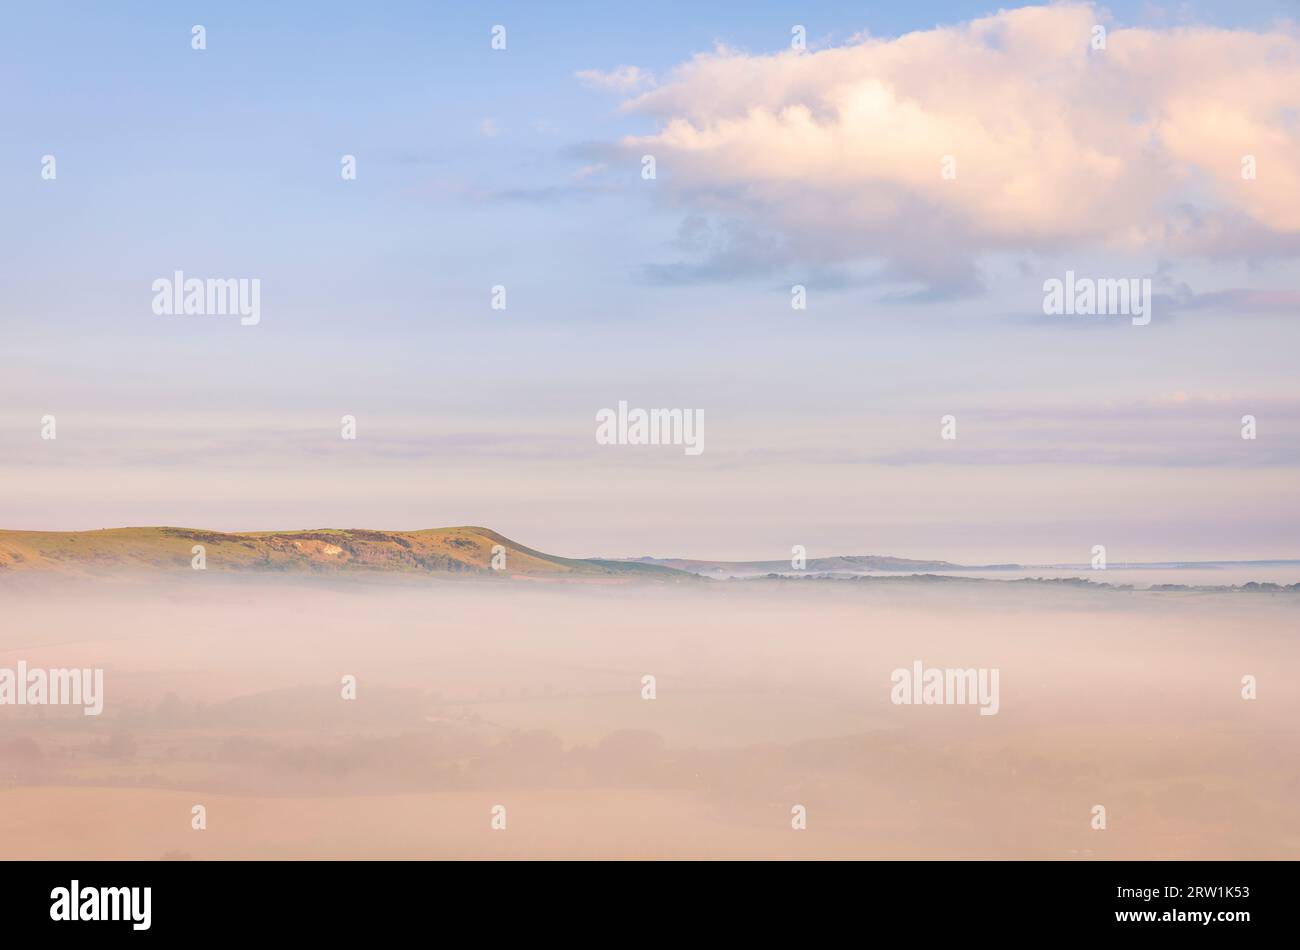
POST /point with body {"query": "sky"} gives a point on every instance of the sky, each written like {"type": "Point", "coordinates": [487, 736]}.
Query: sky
{"type": "Point", "coordinates": [522, 167]}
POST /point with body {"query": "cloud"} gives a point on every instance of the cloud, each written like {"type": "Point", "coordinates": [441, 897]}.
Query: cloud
{"type": "Point", "coordinates": [1136, 148]}
{"type": "Point", "coordinates": [623, 79]}
{"type": "Point", "coordinates": [488, 128]}
{"type": "Point", "coordinates": [1239, 300]}
{"type": "Point", "coordinates": [1174, 429]}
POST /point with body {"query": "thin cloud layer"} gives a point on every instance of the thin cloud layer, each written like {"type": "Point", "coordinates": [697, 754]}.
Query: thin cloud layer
{"type": "Point", "coordinates": [624, 79]}
{"type": "Point", "coordinates": [1138, 147]}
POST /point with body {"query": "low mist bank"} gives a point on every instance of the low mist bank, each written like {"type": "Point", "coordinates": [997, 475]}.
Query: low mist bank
{"type": "Point", "coordinates": [227, 691]}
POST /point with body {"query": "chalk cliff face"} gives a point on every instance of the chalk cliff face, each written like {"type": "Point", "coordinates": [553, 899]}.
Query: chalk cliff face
{"type": "Point", "coordinates": [446, 551]}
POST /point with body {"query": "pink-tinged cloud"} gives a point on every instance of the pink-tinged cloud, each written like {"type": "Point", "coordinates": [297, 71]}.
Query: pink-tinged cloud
{"type": "Point", "coordinates": [624, 79]}
{"type": "Point", "coordinates": [839, 154]}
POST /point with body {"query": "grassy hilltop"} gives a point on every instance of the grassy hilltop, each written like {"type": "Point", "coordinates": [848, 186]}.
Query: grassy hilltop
{"type": "Point", "coordinates": [459, 551]}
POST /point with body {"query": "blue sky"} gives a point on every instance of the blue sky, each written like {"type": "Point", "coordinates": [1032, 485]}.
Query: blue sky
{"type": "Point", "coordinates": [478, 167]}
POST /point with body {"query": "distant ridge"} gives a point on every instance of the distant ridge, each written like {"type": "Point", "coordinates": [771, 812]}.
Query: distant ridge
{"type": "Point", "coordinates": [852, 564]}
{"type": "Point", "coordinates": [465, 550]}
{"type": "Point", "coordinates": [877, 564]}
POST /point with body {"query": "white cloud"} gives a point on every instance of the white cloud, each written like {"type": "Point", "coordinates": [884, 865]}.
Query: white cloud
{"type": "Point", "coordinates": [624, 79]}
{"type": "Point", "coordinates": [589, 171]}
{"type": "Point", "coordinates": [1137, 147]}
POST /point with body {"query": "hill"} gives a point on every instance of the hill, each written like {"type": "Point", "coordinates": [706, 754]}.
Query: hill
{"type": "Point", "coordinates": [442, 551]}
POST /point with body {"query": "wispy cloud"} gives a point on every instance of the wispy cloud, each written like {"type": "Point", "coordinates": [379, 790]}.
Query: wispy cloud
{"type": "Point", "coordinates": [623, 79]}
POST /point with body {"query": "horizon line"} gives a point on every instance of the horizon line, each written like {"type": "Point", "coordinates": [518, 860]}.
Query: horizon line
{"type": "Point", "coordinates": [989, 566]}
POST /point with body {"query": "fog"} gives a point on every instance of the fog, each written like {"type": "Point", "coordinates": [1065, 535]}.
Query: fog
{"type": "Point", "coordinates": [228, 691]}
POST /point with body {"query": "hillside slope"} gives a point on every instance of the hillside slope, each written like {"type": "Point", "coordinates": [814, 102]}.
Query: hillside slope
{"type": "Point", "coordinates": [460, 551]}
